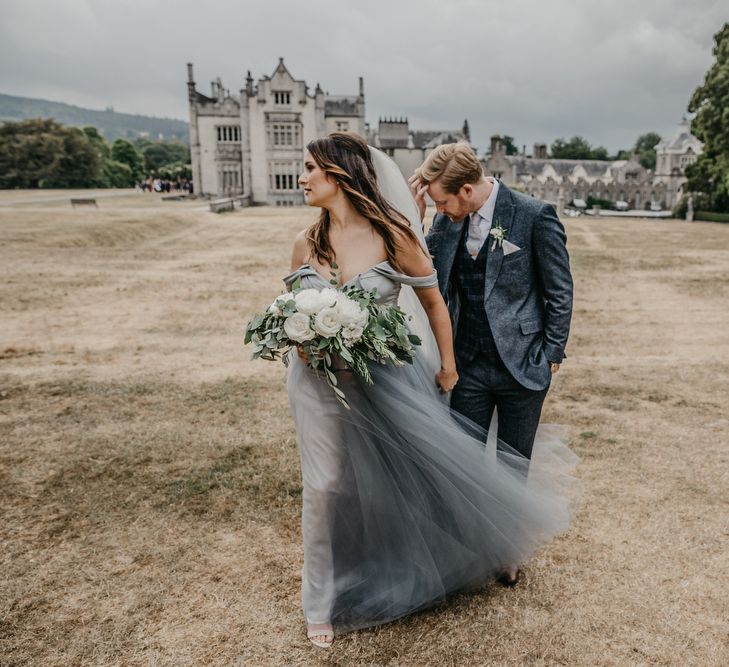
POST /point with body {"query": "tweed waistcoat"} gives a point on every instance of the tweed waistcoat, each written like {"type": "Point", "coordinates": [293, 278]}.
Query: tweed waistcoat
{"type": "Point", "coordinates": [474, 334]}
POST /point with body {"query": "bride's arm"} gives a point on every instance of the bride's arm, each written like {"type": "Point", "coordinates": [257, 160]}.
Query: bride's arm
{"type": "Point", "coordinates": [414, 262]}
{"type": "Point", "coordinates": [299, 255]}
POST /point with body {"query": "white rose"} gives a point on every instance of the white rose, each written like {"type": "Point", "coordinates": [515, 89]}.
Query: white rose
{"type": "Point", "coordinates": [278, 304]}
{"type": "Point", "coordinates": [349, 310]}
{"type": "Point", "coordinates": [328, 297]}
{"type": "Point", "coordinates": [311, 301]}
{"type": "Point", "coordinates": [307, 301]}
{"type": "Point", "coordinates": [326, 322]}
{"type": "Point", "coordinates": [352, 334]}
{"type": "Point", "coordinates": [298, 329]}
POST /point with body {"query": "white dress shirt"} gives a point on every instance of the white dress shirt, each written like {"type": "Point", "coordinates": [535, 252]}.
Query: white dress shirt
{"type": "Point", "coordinates": [480, 223]}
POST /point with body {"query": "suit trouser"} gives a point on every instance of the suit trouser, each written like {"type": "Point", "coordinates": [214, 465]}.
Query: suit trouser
{"type": "Point", "coordinates": [484, 383]}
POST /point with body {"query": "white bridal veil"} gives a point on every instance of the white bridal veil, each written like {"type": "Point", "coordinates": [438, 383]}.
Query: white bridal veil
{"type": "Point", "coordinates": [395, 190]}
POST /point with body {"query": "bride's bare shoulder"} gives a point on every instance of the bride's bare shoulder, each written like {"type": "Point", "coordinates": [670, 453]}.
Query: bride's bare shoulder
{"type": "Point", "coordinates": [300, 252]}
{"type": "Point", "coordinates": [412, 258]}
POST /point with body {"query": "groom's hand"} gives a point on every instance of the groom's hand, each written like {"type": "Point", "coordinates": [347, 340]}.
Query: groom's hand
{"type": "Point", "coordinates": [418, 191]}
{"type": "Point", "coordinates": [554, 367]}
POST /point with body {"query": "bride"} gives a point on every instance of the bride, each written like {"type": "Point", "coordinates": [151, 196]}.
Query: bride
{"type": "Point", "coordinates": [403, 501]}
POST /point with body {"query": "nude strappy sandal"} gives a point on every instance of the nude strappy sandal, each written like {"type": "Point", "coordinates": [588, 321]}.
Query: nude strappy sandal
{"type": "Point", "coordinates": [310, 634]}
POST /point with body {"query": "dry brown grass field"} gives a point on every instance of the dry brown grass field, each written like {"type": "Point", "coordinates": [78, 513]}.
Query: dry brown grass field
{"type": "Point", "coordinates": [149, 483]}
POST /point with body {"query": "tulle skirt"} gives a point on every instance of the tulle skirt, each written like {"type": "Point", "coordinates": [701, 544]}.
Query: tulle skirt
{"type": "Point", "coordinates": [403, 500]}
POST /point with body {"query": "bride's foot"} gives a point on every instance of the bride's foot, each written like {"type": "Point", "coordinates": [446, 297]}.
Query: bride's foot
{"type": "Point", "coordinates": [320, 634]}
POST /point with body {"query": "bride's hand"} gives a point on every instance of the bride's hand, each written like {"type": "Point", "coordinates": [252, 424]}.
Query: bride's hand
{"type": "Point", "coordinates": [302, 355]}
{"type": "Point", "coordinates": [446, 379]}
{"type": "Point", "coordinates": [418, 191]}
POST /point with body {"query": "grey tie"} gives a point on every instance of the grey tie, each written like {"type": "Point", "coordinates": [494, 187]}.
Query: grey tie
{"type": "Point", "coordinates": [474, 241]}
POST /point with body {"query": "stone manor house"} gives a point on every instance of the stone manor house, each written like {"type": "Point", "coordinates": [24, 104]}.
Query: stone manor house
{"type": "Point", "coordinates": [250, 145]}
{"type": "Point", "coordinates": [618, 181]}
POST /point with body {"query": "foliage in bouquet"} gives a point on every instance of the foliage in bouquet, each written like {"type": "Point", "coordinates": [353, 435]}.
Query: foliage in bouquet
{"type": "Point", "coordinates": [345, 325]}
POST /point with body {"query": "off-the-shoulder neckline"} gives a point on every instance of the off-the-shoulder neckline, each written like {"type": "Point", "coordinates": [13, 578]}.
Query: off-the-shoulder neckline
{"type": "Point", "coordinates": [367, 270]}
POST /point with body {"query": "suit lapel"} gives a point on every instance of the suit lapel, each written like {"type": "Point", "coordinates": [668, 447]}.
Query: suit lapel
{"type": "Point", "coordinates": [449, 248]}
{"type": "Point", "coordinates": [504, 216]}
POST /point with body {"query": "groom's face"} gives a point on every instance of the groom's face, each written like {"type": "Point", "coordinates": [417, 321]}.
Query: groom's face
{"type": "Point", "coordinates": [455, 206]}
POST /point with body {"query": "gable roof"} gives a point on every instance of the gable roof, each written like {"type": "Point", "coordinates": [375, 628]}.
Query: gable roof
{"type": "Point", "coordinates": [341, 105]}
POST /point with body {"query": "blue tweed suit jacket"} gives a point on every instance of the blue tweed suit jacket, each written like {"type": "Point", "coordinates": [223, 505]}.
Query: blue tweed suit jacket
{"type": "Point", "coordinates": [528, 293]}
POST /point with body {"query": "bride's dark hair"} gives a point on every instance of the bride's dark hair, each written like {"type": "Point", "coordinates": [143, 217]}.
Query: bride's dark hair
{"type": "Point", "coordinates": [346, 158]}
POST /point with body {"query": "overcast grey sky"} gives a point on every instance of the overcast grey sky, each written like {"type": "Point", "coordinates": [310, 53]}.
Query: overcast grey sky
{"type": "Point", "coordinates": [534, 69]}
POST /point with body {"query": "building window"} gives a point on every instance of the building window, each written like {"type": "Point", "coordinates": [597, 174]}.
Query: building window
{"type": "Point", "coordinates": [228, 133]}
{"type": "Point", "coordinates": [287, 135]}
{"type": "Point", "coordinates": [282, 97]}
{"type": "Point", "coordinates": [284, 176]}
{"type": "Point", "coordinates": [229, 178]}
{"type": "Point", "coordinates": [342, 126]}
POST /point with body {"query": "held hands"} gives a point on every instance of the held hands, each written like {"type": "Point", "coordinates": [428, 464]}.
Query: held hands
{"type": "Point", "coordinates": [446, 379]}
{"type": "Point", "coordinates": [418, 191]}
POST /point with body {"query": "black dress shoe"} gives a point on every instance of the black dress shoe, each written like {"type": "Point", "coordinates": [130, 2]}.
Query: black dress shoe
{"type": "Point", "coordinates": [505, 579]}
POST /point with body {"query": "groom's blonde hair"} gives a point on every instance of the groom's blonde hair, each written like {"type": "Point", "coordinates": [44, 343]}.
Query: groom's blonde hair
{"type": "Point", "coordinates": [454, 165]}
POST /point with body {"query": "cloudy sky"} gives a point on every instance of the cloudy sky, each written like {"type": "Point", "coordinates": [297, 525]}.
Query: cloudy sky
{"type": "Point", "coordinates": [533, 69]}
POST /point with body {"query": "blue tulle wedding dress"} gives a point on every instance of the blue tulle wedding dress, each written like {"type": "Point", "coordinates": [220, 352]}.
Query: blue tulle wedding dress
{"type": "Point", "coordinates": [403, 501]}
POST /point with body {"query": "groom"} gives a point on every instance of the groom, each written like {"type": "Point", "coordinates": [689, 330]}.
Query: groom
{"type": "Point", "coordinates": [504, 272]}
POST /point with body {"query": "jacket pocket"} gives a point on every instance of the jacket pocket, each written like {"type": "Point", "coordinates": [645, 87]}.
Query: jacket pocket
{"type": "Point", "coordinates": [530, 326]}
{"type": "Point", "coordinates": [515, 256]}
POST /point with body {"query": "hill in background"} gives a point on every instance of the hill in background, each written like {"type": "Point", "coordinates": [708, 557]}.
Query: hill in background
{"type": "Point", "coordinates": [111, 125]}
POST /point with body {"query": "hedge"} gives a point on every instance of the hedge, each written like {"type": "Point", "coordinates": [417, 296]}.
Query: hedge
{"type": "Point", "coordinates": [708, 216]}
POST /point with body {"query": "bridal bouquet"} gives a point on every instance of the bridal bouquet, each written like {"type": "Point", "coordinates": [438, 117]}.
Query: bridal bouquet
{"type": "Point", "coordinates": [345, 324]}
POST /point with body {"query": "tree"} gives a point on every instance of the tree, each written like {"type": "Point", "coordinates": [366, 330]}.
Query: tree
{"type": "Point", "coordinates": [175, 170]}
{"type": "Point", "coordinates": [98, 142]}
{"type": "Point", "coordinates": [117, 175]}
{"type": "Point", "coordinates": [124, 151]}
{"type": "Point", "coordinates": [599, 153]}
{"type": "Point", "coordinates": [29, 152]}
{"type": "Point", "coordinates": [161, 153]}
{"type": "Point", "coordinates": [43, 153]}
{"type": "Point", "coordinates": [508, 143]}
{"type": "Point", "coordinates": [645, 149]}
{"type": "Point", "coordinates": [710, 101]}
{"type": "Point", "coordinates": [80, 164]}
{"type": "Point", "coordinates": [577, 148]}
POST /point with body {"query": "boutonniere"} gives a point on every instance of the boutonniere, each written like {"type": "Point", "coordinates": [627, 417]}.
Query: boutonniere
{"type": "Point", "coordinates": [499, 234]}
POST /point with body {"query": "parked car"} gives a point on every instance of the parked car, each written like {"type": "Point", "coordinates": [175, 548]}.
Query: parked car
{"type": "Point", "coordinates": [622, 205]}
{"type": "Point", "coordinates": [655, 206]}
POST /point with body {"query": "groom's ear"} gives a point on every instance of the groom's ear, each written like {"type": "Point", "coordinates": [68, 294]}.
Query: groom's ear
{"type": "Point", "coordinates": [466, 190]}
